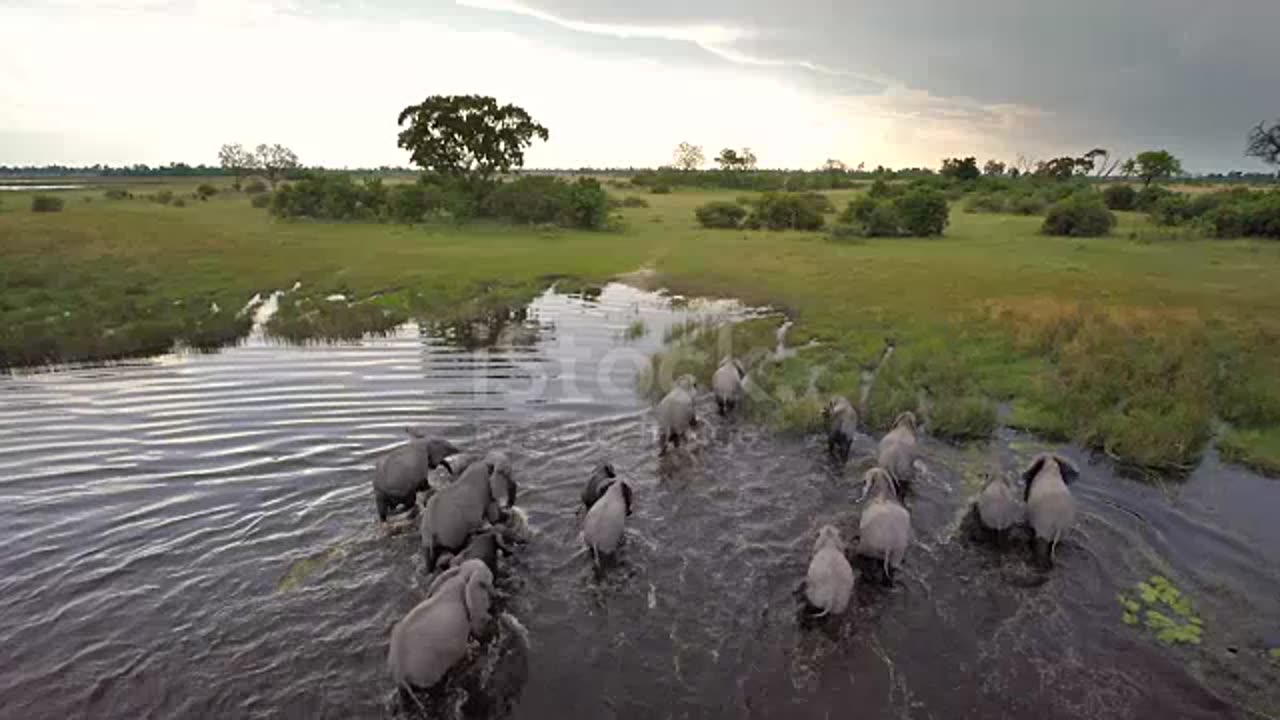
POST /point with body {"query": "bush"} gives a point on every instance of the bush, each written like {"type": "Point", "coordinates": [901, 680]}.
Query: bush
{"type": "Point", "coordinates": [1148, 197]}
{"type": "Point", "coordinates": [881, 221]}
{"type": "Point", "coordinates": [261, 200]}
{"type": "Point", "coordinates": [1173, 209]}
{"type": "Point", "coordinates": [1261, 216]}
{"type": "Point", "coordinates": [179, 202]}
{"type": "Point", "coordinates": [922, 212]}
{"type": "Point", "coordinates": [985, 203]}
{"type": "Point", "coordinates": [587, 205]}
{"type": "Point", "coordinates": [1081, 215]}
{"type": "Point", "coordinates": [1027, 204]}
{"type": "Point", "coordinates": [785, 211]}
{"type": "Point", "coordinates": [1120, 197]}
{"type": "Point", "coordinates": [116, 194]}
{"type": "Point", "coordinates": [1227, 221]}
{"type": "Point", "coordinates": [881, 189]}
{"type": "Point", "coordinates": [858, 211]}
{"type": "Point", "coordinates": [720, 214]}
{"type": "Point", "coordinates": [846, 232]}
{"type": "Point", "coordinates": [164, 197]}
{"type": "Point", "coordinates": [661, 190]}
{"type": "Point", "coordinates": [46, 203]}
{"type": "Point", "coordinates": [633, 201]}
{"type": "Point", "coordinates": [821, 203]}
{"type": "Point", "coordinates": [255, 187]}
{"type": "Point", "coordinates": [205, 191]}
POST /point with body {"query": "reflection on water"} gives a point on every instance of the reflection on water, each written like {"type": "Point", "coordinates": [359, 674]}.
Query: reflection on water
{"type": "Point", "coordinates": [195, 536]}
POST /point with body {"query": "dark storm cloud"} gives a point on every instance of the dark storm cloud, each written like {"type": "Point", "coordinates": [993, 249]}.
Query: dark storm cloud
{"type": "Point", "coordinates": [1191, 75]}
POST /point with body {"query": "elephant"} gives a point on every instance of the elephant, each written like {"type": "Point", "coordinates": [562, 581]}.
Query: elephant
{"type": "Point", "coordinates": [885, 525]}
{"type": "Point", "coordinates": [482, 545]}
{"type": "Point", "coordinates": [898, 451]}
{"type": "Point", "coordinates": [726, 383]}
{"type": "Point", "coordinates": [402, 473]}
{"type": "Point", "coordinates": [842, 425]}
{"type": "Point", "coordinates": [830, 579]}
{"type": "Point", "coordinates": [432, 637]}
{"type": "Point", "coordinates": [607, 519]}
{"type": "Point", "coordinates": [457, 510]}
{"type": "Point", "coordinates": [999, 507]}
{"type": "Point", "coordinates": [676, 413]}
{"type": "Point", "coordinates": [459, 463]}
{"type": "Point", "coordinates": [597, 484]}
{"type": "Point", "coordinates": [1050, 507]}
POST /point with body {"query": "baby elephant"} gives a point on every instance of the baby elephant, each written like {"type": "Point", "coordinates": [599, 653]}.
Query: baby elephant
{"type": "Point", "coordinates": [726, 383]}
{"type": "Point", "coordinates": [999, 507]}
{"type": "Point", "coordinates": [830, 580]}
{"type": "Point", "coordinates": [483, 545]}
{"type": "Point", "coordinates": [675, 413]}
{"type": "Point", "coordinates": [885, 525]}
{"type": "Point", "coordinates": [898, 450]}
{"type": "Point", "coordinates": [842, 425]}
{"type": "Point", "coordinates": [402, 473]}
{"type": "Point", "coordinates": [432, 638]}
{"type": "Point", "coordinates": [597, 483]}
{"type": "Point", "coordinates": [607, 519]}
{"type": "Point", "coordinates": [1050, 507]}
{"type": "Point", "coordinates": [460, 509]}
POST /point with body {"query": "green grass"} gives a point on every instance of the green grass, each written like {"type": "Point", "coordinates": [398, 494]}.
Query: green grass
{"type": "Point", "coordinates": [1163, 610]}
{"type": "Point", "coordinates": [635, 330]}
{"type": "Point", "coordinates": [1132, 343]}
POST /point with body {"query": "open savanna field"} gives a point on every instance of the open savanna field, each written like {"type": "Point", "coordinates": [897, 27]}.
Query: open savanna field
{"type": "Point", "coordinates": [1145, 344]}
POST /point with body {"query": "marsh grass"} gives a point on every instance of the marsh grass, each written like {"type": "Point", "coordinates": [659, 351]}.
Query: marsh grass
{"type": "Point", "coordinates": [1164, 610]}
{"type": "Point", "coordinates": [635, 330]}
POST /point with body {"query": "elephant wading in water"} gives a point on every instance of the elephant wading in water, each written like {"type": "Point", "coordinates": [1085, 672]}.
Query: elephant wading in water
{"type": "Point", "coordinates": [885, 526]}
{"type": "Point", "coordinates": [999, 507]}
{"type": "Point", "coordinates": [842, 425]}
{"type": "Point", "coordinates": [460, 509]}
{"type": "Point", "coordinates": [898, 451]}
{"type": "Point", "coordinates": [676, 414]}
{"type": "Point", "coordinates": [607, 519]}
{"type": "Point", "coordinates": [433, 637]}
{"type": "Point", "coordinates": [829, 582]}
{"type": "Point", "coordinates": [726, 383]}
{"type": "Point", "coordinates": [1051, 509]}
{"type": "Point", "coordinates": [402, 473]}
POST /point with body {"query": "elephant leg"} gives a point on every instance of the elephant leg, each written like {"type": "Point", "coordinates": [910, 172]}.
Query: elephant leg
{"type": "Point", "coordinates": [722, 406]}
{"type": "Point", "coordinates": [384, 505]}
{"type": "Point", "coordinates": [675, 439]}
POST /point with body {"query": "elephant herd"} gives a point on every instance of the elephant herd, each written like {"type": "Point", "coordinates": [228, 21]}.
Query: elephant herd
{"type": "Point", "coordinates": [460, 537]}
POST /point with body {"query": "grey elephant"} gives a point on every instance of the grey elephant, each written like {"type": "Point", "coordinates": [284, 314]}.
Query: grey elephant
{"type": "Point", "coordinates": [597, 483]}
{"type": "Point", "coordinates": [676, 413]}
{"type": "Point", "coordinates": [885, 525]}
{"type": "Point", "coordinates": [1051, 509]}
{"type": "Point", "coordinates": [842, 425]}
{"type": "Point", "coordinates": [402, 473]}
{"type": "Point", "coordinates": [433, 637]}
{"type": "Point", "coordinates": [607, 519]}
{"type": "Point", "coordinates": [726, 384]}
{"type": "Point", "coordinates": [483, 545]}
{"type": "Point", "coordinates": [898, 450]}
{"type": "Point", "coordinates": [829, 582]}
{"type": "Point", "coordinates": [460, 509]}
{"type": "Point", "coordinates": [999, 507]}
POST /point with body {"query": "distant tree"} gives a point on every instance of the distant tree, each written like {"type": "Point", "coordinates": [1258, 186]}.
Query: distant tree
{"type": "Point", "coordinates": [1015, 173]}
{"type": "Point", "coordinates": [1264, 143]}
{"type": "Point", "coordinates": [861, 167]}
{"type": "Point", "coordinates": [1156, 165]}
{"type": "Point", "coordinates": [274, 161]}
{"type": "Point", "coordinates": [961, 169]}
{"type": "Point", "coordinates": [747, 158]}
{"type": "Point", "coordinates": [993, 168]}
{"type": "Point", "coordinates": [1099, 162]}
{"type": "Point", "coordinates": [467, 135]}
{"type": "Point", "coordinates": [236, 160]}
{"type": "Point", "coordinates": [1129, 168]}
{"type": "Point", "coordinates": [689, 157]}
{"type": "Point", "coordinates": [1060, 168]}
{"type": "Point", "coordinates": [728, 159]}
{"type": "Point", "coordinates": [834, 166]}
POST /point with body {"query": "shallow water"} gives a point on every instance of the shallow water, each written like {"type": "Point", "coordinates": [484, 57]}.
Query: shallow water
{"type": "Point", "coordinates": [194, 535]}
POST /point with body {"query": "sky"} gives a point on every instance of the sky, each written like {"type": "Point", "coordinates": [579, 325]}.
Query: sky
{"type": "Point", "coordinates": [903, 83]}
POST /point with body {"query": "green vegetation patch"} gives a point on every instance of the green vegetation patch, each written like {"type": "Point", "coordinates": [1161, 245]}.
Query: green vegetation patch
{"type": "Point", "coordinates": [1163, 610]}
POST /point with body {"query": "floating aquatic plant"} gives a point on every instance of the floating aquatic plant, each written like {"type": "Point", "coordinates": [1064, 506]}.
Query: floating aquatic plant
{"type": "Point", "coordinates": [1164, 610]}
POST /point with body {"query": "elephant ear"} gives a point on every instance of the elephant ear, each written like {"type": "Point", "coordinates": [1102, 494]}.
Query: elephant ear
{"type": "Point", "coordinates": [500, 484]}
{"type": "Point", "coordinates": [476, 596]}
{"type": "Point", "coordinates": [1070, 473]}
{"type": "Point", "coordinates": [738, 366]}
{"type": "Point", "coordinates": [1031, 472]}
{"type": "Point", "coordinates": [609, 471]}
{"type": "Point", "coordinates": [441, 579]}
{"type": "Point", "coordinates": [438, 450]}
{"type": "Point", "coordinates": [626, 495]}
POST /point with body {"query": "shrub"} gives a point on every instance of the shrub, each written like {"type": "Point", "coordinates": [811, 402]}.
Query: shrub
{"type": "Point", "coordinates": [1148, 197]}
{"type": "Point", "coordinates": [587, 205]}
{"type": "Point", "coordinates": [1119, 197]}
{"type": "Point", "coordinates": [179, 202]}
{"type": "Point", "coordinates": [634, 201]}
{"type": "Point", "coordinates": [529, 199]}
{"type": "Point", "coordinates": [261, 200]}
{"type": "Point", "coordinates": [661, 190]}
{"type": "Point", "coordinates": [1081, 215]}
{"type": "Point", "coordinates": [164, 197]}
{"type": "Point", "coordinates": [922, 212]}
{"type": "Point", "coordinates": [821, 203]}
{"type": "Point", "coordinates": [1261, 216]}
{"type": "Point", "coordinates": [254, 187]}
{"type": "Point", "coordinates": [985, 203]}
{"type": "Point", "coordinates": [881, 221]}
{"type": "Point", "coordinates": [846, 232]}
{"type": "Point", "coordinates": [881, 189]}
{"type": "Point", "coordinates": [116, 194]}
{"type": "Point", "coordinates": [1172, 209]}
{"type": "Point", "coordinates": [858, 211]}
{"type": "Point", "coordinates": [205, 191]}
{"type": "Point", "coordinates": [720, 214]}
{"type": "Point", "coordinates": [785, 211]}
{"type": "Point", "coordinates": [46, 203]}
{"type": "Point", "coordinates": [1027, 204]}
{"type": "Point", "coordinates": [1226, 221]}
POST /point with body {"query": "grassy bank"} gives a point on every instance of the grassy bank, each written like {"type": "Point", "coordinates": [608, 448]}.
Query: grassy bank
{"type": "Point", "coordinates": [1133, 343]}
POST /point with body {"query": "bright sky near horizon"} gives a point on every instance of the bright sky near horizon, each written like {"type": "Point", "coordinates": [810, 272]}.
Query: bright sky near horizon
{"type": "Point", "coordinates": [893, 82]}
